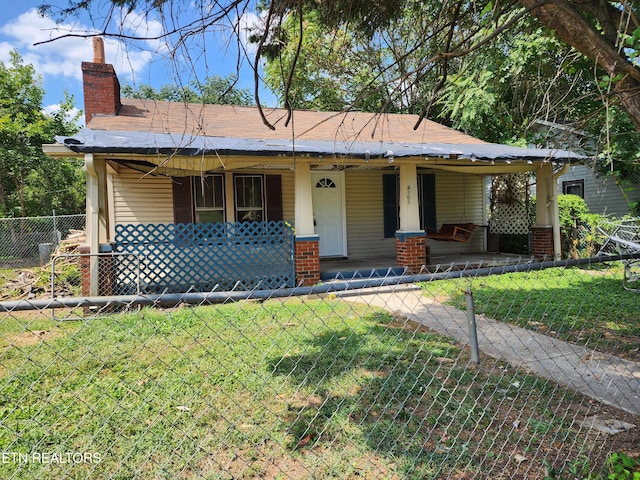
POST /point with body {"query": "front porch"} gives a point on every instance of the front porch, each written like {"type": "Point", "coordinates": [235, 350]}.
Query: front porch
{"type": "Point", "coordinates": [346, 269]}
{"type": "Point", "coordinates": [177, 258]}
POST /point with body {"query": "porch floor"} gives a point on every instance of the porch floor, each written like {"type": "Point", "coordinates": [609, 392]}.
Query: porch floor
{"type": "Point", "coordinates": [347, 268]}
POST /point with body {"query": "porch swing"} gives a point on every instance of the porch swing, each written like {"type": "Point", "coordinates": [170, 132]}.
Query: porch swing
{"type": "Point", "coordinates": [455, 232]}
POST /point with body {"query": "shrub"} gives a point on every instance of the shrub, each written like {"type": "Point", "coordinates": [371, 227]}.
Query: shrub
{"type": "Point", "coordinates": [580, 237]}
{"type": "Point", "coordinates": [573, 211]}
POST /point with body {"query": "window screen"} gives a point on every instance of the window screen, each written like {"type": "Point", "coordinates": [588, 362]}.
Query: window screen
{"type": "Point", "coordinates": [249, 198]}
{"type": "Point", "coordinates": [209, 198]}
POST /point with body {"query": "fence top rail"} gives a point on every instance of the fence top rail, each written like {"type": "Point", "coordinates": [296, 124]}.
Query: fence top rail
{"type": "Point", "coordinates": [216, 297]}
{"type": "Point", "coordinates": [74, 215]}
{"type": "Point", "coordinates": [632, 223]}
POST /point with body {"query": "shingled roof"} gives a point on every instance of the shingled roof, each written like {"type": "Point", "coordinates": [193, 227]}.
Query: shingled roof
{"type": "Point", "coordinates": [230, 121]}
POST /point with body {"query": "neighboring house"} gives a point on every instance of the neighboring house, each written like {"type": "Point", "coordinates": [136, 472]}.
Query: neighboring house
{"type": "Point", "coordinates": [602, 194]}
{"type": "Point", "coordinates": [200, 195]}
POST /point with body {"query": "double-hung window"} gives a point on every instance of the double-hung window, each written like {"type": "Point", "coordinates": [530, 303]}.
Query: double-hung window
{"type": "Point", "coordinates": [241, 198]}
{"type": "Point", "coordinates": [209, 198]}
{"type": "Point", "coordinates": [574, 187]}
{"type": "Point", "coordinates": [249, 195]}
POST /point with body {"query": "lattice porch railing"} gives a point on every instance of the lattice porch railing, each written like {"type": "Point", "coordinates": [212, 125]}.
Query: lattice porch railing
{"type": "Point", "coordinates": [201, 257]}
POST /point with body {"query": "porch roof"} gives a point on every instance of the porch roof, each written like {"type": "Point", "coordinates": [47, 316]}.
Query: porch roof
{"type": "Point", "coordinates": [151, 143]}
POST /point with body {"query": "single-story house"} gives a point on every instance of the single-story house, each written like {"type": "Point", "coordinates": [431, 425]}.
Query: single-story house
{"type": "Point", "coordinates": [198, 195]}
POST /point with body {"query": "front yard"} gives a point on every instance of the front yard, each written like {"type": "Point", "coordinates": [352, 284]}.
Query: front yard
{"type": "Point", "coordinates": [300, 388]}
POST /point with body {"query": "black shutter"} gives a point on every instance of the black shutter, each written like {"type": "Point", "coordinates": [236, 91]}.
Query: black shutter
{"type": "Point", "coordinates": [182, 200]}
{"type": "Point", "coordinates": [390, 207]}
{"type": "Point", "coordinates": [428, 200]}
{"type": "Point", "coordinates": [273, 195]}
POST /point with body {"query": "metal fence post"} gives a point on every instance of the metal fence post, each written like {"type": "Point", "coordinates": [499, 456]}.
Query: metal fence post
{"type": "Point", "coordinates": [473, 332]}
{"type": "Point", "coordinates": [55, 234]}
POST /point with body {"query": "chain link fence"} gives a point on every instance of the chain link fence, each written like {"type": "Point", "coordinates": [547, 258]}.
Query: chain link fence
{"type": "Point", "coordinates": [30, 241]}
{"type": "Point", "coordinates": [523, 371]}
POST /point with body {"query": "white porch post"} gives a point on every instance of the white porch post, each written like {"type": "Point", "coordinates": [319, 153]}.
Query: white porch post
{"type": "Point", "coordinates": [104, 232]}
{"type": "Point", "coordinates": [303, 200]}
{"type": "Point", "coordinates": [93, 222]}
{"type": "Point", "coordinates": [111, 217]}
{"type": "Point", "coordinates": [546, 233]}
{"type": "Point", "coordinates": [307, 243]}
{"type": "Point", "coordinates": [555, 222]}
{"type": "Point", "coordinates": [411, 248]}
{"type": "Point", "coordinates": [409, 212]}
{"type": "Point", "coordinates": [98, 231]}
{"type": "Point", "coordinates": [544, 194]}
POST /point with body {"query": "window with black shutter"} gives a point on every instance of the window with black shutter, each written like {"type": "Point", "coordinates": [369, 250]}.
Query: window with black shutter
{"type": "Point", "coordinates": [201, 199]}
{"type": "Point", "coordinates": [182, 200]}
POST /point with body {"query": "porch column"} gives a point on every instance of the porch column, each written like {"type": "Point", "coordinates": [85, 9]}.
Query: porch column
{"type": "Point", "coordinates": [545, 235]}
{"type": "Point", "coordinates": [411, 248]}
{"type": "Point", "coordinates": [307, 243]}
{"type": "Point", "coordinates": [97, 225]}
{"type": "Point", "coordinates": [303, 200]}
{"type": "Point", "coordinates": [409, 212]}
{"type": "Point", "coordinates": [111, 214]}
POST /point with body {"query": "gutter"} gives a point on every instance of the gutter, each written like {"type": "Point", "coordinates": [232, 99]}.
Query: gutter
{"type": "Point", "coordinates": [56, 150]}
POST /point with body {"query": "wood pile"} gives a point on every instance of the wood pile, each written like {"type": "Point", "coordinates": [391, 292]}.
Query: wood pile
{"type": "Point", "coordinates": [72, 243]}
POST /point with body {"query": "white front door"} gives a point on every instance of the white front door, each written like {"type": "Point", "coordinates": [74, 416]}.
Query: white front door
{"type": "Point", "coordinates": [328, 212]}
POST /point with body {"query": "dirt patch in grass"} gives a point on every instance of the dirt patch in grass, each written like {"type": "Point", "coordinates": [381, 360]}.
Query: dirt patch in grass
{"type": "Point", "coordinates": [29, 338]}
{"type": "Point", "coordinates": [534, 446]}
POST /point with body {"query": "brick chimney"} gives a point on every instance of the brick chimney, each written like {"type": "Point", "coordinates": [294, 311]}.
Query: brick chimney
{"type": "Point", "coordinates": [101, 85]}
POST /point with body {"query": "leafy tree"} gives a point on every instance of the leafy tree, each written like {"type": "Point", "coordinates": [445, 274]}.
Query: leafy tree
{"type": "Point", "coordinates": [343, 69]}
{"type": "Point", "coordinates": [605, 32]}
{"type": "Point", "coordinates": [215, 89]}
{"type": "Point", "coordinates": [489, 67]}
{"type": "Point", "coordinates": [31, 183]}
{"type": "Point", "coordinates": [500, 93]}
{"type": "Point", "coordinates": [495, 94]}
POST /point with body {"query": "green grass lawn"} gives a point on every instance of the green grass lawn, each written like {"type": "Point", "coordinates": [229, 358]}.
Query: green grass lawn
{"type": "Point", "coordinates": [582, 305]}
{"type": "Point", "coordinates": [299, 388]}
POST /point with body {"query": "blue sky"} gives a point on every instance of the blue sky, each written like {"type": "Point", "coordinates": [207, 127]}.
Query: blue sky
{"type": "Point", "coordinates": [59, 62]}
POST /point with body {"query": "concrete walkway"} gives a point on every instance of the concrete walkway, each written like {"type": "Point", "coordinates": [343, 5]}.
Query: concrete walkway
{"type": "Point", "coordinates": [606, 378]}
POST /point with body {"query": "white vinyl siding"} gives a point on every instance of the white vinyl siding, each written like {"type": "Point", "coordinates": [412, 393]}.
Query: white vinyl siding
{"type": "Point", "coordinates": [365, 227]}
{"type": "Point", "coordinates": [140, 198]}
{"type": "Point", "coordinates": [459, 199]}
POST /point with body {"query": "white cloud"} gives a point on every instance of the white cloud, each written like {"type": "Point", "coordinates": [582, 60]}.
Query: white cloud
{"type": "Point", "coordinates": [51, 109]}
{"type": "Point", "coordinates": [247, 25]}
{"type": "Point", "coordinates": [62, 57]}
{"type": "Point", "coordinates": [140, 25]}
{"type": "Point", "coordinates": [5, 48]}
